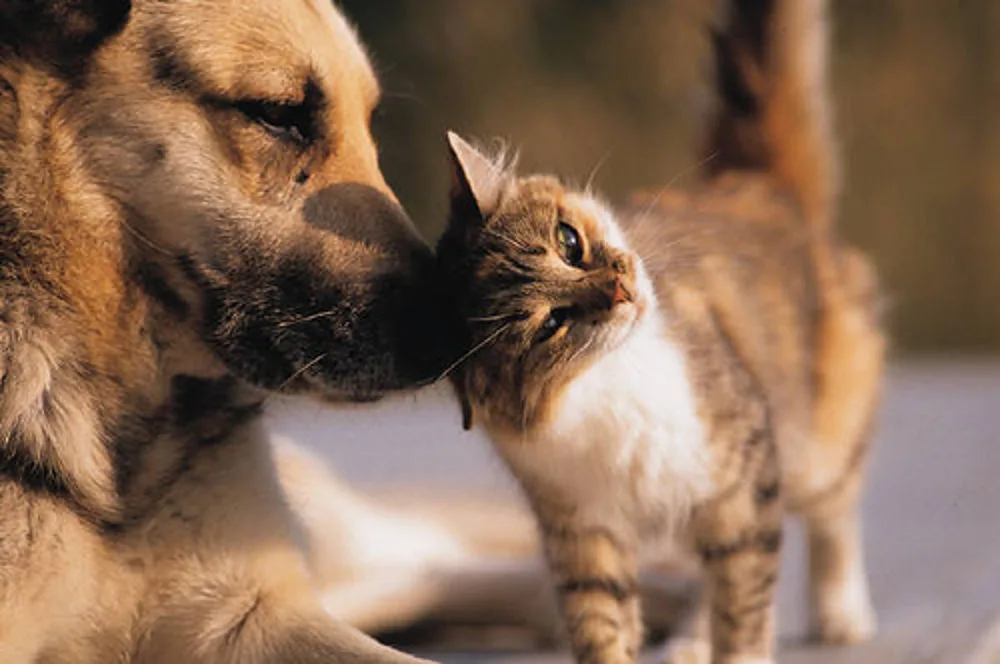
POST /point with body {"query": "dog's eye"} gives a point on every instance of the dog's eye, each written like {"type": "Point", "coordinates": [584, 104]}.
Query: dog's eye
{"type": "Point", "coordinates": [556, 320]}
{"type": "Point", "coordinates": [570, 245]}
{"type": "Point", "coordinates": [290, 122]}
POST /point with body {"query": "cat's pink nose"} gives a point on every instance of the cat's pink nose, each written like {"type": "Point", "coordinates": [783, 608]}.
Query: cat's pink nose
{"type": "Point", "coordinates": [621, 294]}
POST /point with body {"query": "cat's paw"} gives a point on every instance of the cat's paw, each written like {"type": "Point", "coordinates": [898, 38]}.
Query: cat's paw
{"type": "Point", "coordinates": [606, 657]}
{"type": "Point", "coordinates": [686, 650]}
{"type": "Point", "coordinates": [848, 623]}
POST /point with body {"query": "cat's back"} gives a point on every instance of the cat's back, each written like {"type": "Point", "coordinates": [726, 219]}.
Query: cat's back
{"type": "Point", "coordinates": [731, 262]}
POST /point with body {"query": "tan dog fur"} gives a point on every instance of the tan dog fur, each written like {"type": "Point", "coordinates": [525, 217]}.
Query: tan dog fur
{"type": "Point", "coordinates": [191, 215]}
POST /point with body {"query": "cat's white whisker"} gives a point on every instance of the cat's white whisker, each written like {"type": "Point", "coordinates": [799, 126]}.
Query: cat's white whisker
{"type": "Point", "coordinates": [488, 319]}
{"type": "Point", "coordinates": [588, 187]}
{"type": "Point", "coordinates": [682, 173]}
{"type": "Point", "coordinates": [506, 238]}
{"type": "Point", "coordinates": [581, 350]}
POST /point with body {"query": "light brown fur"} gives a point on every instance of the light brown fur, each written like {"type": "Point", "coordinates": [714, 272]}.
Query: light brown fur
{"type": "Point", "coordinates": [191, 216]}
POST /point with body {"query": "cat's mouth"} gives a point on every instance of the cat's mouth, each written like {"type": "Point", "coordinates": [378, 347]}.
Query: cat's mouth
{"type": "Point", "coordinates": [625, 319]}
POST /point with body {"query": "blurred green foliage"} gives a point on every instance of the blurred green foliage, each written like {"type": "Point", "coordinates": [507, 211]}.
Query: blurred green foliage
{"type": "Point", "coordinates": [623, 84]}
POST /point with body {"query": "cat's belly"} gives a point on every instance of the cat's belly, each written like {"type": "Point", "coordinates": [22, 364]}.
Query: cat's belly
{"type": "Point", "coordinates": [626, 448]}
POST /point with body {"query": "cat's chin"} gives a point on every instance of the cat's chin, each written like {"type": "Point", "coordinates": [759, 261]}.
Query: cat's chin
{"type": "Point", "coordinates": [617, 331]}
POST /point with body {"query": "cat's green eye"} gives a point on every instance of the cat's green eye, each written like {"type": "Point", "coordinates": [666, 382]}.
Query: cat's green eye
{"type": "Point", "coordinates": [570, 245]}
{"type": "Point", "coordinates": [556, 319]}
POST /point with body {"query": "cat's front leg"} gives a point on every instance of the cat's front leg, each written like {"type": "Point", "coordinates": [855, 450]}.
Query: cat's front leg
{"type": "Point", "coordinates": [595, 574]}
{"type": "Point", "coordinates": [739, 538]}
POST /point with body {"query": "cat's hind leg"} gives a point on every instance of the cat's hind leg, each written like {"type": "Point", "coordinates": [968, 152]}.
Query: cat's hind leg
{"type": "Point", "coordinates": [840, 603]}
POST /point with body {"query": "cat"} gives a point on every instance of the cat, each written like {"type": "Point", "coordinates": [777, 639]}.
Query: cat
{"type": "Point", "coordinates": [690, 366]}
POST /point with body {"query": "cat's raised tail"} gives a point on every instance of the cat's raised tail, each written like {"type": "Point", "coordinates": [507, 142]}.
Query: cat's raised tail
{"type": "Point", "coordinates": [773, 110]}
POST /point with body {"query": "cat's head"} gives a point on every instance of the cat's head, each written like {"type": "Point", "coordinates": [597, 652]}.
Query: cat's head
{"type": "Point", "coordinates": [543, 278]}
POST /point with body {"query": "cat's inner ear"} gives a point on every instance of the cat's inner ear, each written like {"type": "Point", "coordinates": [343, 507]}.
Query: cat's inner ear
{"type": "Point", "coordinates": [476, 181]}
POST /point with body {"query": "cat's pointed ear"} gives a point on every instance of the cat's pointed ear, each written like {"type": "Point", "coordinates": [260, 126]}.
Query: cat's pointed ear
{"type": "Point", "coordinates": [476, 182]}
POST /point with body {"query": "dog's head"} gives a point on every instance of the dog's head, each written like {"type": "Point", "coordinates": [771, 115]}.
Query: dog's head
{"type": "Point", "coordinates": [230, 140]}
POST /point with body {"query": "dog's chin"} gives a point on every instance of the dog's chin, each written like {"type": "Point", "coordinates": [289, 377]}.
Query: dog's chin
{"type": "Point", "coordinates": [332, 373]}
{"type": "Point", "coordinates": [334, 398]}
{"type": "Point", "coordinates": [355, 345]}
{"type": "Point", "coordinates": [320, 389]}
{"type": "Point", "coordinates": [330, 388]}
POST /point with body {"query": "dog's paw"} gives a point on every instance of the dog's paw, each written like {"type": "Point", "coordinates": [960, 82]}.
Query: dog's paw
{"type": "Point", "coordinates": [686, 650]}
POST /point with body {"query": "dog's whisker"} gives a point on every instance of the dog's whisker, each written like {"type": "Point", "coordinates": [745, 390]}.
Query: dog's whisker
{"type": "Point", "coordinates": [144, 239]}
{"type": "Point", "coordinates": [301, 370]}
{"type": "Point", "coordinates": [475, 349]}
{"type": "Point", "coordinates": [306, 319]}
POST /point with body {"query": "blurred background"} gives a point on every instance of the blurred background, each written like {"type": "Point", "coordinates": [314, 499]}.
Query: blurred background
{"type": "Point", "coordinates": [622, 84]}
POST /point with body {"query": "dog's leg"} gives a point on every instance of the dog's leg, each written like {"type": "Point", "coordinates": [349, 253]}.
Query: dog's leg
{"type": "Point", "coordinates": [230, 583]}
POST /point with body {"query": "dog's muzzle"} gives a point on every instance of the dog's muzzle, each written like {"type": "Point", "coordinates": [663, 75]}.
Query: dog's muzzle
{"type": "Point", "coordinates": [350, 307]}
{"type": "Point", "coordinates": [403, 329]}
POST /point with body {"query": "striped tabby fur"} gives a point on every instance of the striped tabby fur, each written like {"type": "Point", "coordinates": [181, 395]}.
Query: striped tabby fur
{"type": "Point", "coordinates": [691, 365]}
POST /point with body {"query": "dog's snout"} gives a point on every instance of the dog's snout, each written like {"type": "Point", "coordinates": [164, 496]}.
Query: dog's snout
{"type": "Point", "coordinates": [393, 287]}
{"type": "Point", "coordinates": [359, 213]}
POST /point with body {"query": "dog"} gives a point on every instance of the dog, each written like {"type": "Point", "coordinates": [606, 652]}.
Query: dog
{"type": "Point", "coordinates": [192, 218]}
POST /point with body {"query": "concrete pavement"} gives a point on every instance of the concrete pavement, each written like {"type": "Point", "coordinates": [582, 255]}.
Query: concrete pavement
{"type": "Point", "coordinates": [932, 511]}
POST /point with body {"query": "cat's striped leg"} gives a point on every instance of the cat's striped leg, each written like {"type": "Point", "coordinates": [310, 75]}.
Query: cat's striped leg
{"type": "Point", "coordinates": [739, 537]}
{"type": "Point", "coordinates": [595, 577]}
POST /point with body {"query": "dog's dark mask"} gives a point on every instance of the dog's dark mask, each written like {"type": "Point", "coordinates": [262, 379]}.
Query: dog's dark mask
{"type": "Point", "coordinates": [289, 322]}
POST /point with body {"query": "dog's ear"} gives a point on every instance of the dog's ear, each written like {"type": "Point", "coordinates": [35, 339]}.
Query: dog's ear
{"type": "Point", "coordinates": [59, 32]}
{"type": "Point", "coordinates": [476, 182]}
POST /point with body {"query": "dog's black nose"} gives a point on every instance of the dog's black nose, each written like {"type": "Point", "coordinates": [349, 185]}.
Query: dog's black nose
{"type": "Point", "coordinates": [400, 319]}
{"type": "Point", "coordinates": [369, 220]}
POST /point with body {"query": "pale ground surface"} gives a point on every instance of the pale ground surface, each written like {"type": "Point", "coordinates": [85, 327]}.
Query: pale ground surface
{"type": "Point", "coordinates": [932, 511]}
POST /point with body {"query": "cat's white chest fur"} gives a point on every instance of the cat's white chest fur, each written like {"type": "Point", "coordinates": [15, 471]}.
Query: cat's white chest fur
{"type": "Point", "coordinates": [626, 445]}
